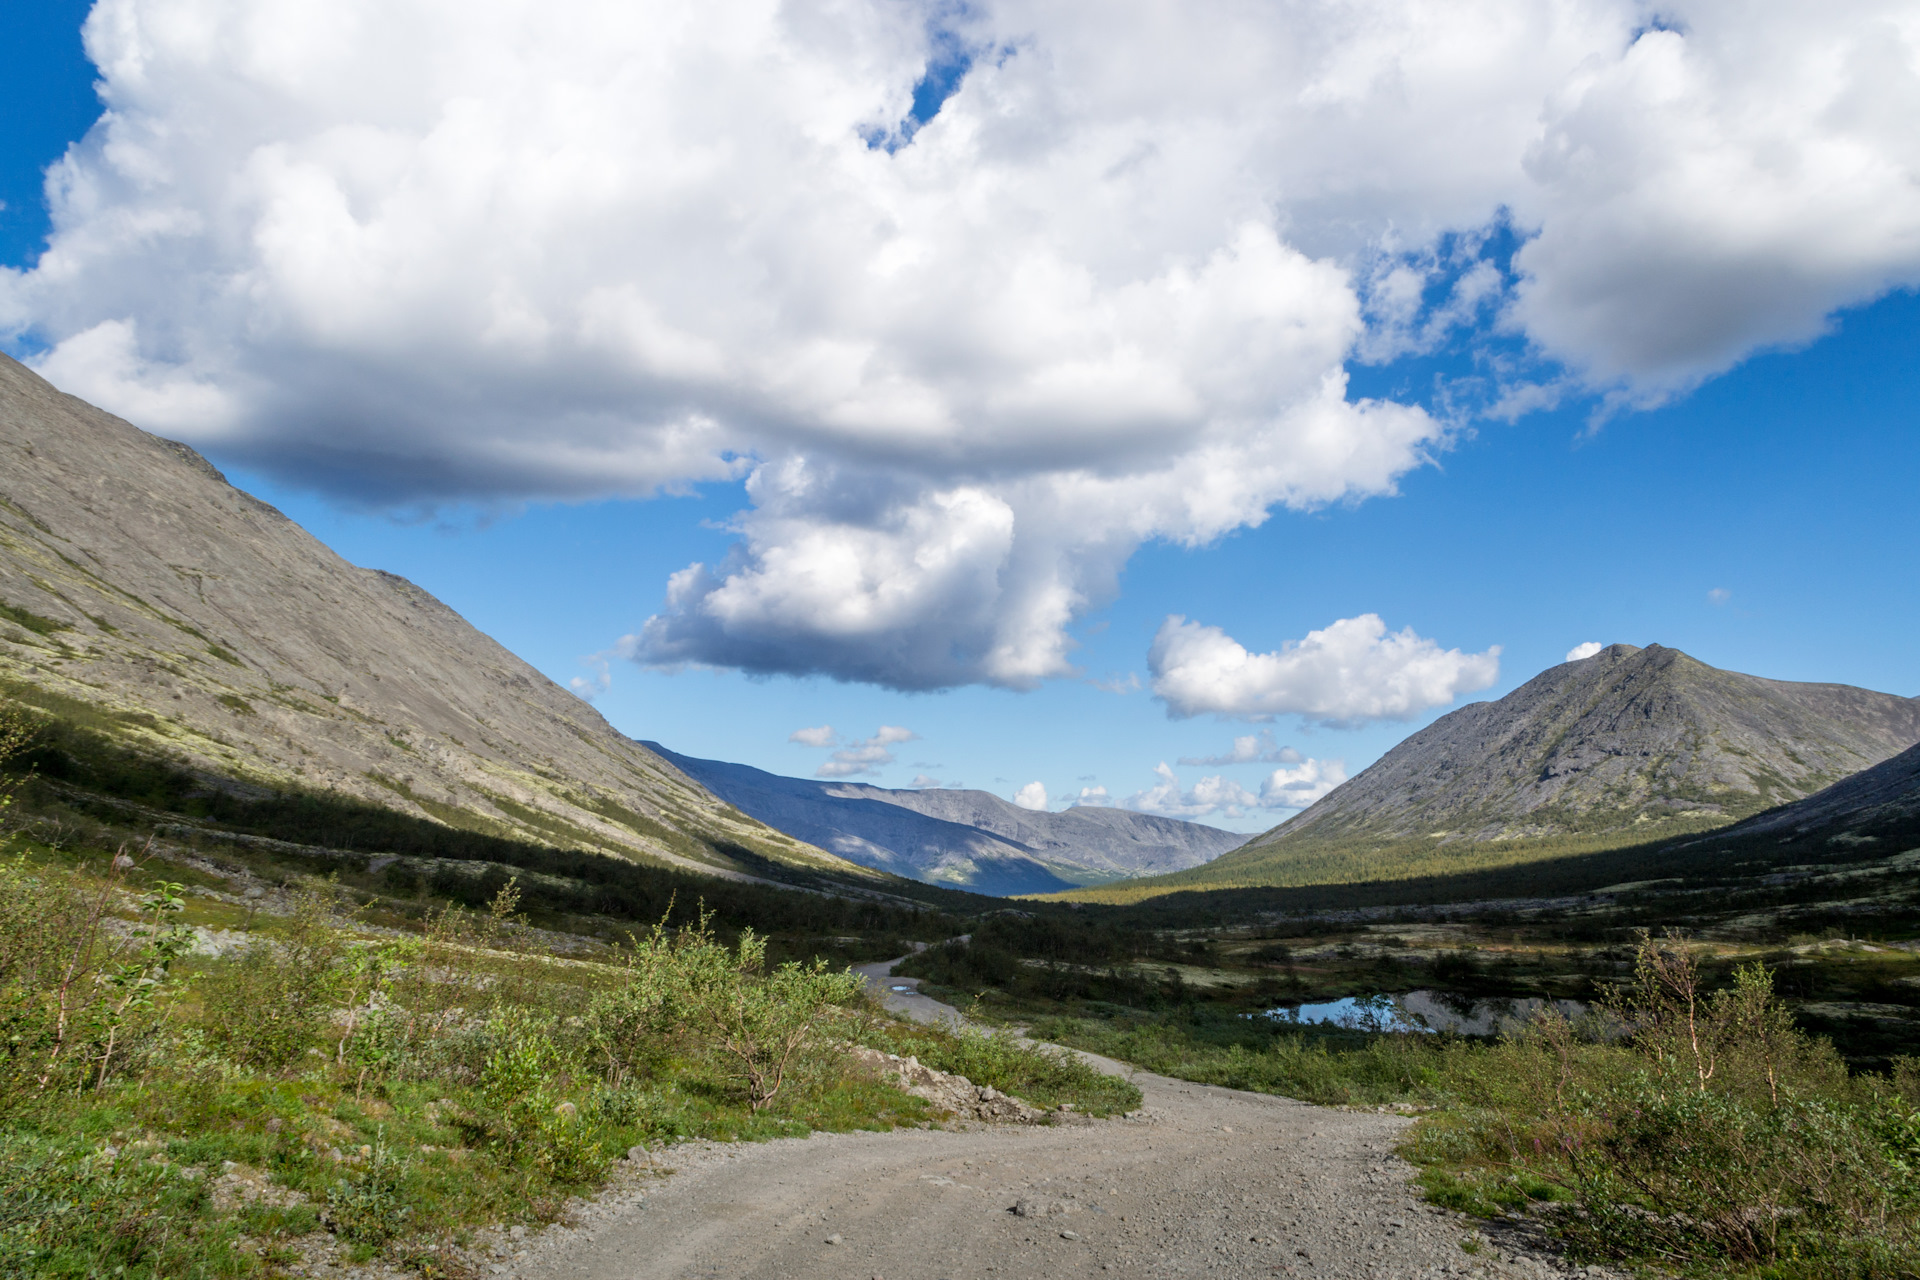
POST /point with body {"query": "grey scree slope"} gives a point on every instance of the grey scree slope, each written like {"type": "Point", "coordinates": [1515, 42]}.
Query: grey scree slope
{"type": "Point", "coordinates": [215, 631]}
{"type": "Point", "coordinates": [1610, 743]}
{"type": "Point", "coordinates": [1885, 795]}
{"type": "Point", "coordinates": [965, 839]}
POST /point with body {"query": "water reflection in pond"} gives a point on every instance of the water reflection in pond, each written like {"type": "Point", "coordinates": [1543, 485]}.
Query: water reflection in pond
{"type": "Point", "coordinates": [1422, 1011]}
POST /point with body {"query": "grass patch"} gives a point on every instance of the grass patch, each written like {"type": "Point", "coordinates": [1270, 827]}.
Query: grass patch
{"type": "Point", "coordinates": [167, 1116]}
{"type": "Point", "coordinates": [1042, 1075]}
{"type": "Point", "coordinates": [32, 621]}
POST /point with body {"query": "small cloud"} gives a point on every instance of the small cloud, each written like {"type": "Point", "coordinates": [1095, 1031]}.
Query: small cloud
{"type": "Point", "coordinates": [1301, 785]}
{"type": "Point", "coordinates": [1116, 683]}
{"type": "Point", "coordinates": [1581, 652]}
{"type": "Point", "coordinates": [1031, 796]}
{"type": "Point", "coordinates": [1209, 795]}
{"type": "Point", "coordinates": [850, 762]}
{"type": "Point", "coordinates": [921, 782]}
{"type": "Point", "coordinates": [1719, 595]}
{"type": "Point", "coordinates": [1292, 787]}
{"type": "Point", "coordinates": [587, 688]}
{"type": "Point", "coordinates": [1095, 796]}
{"type": "Point", "coordinates": [861, 758]}
{"type": "Point", "coordinates": [1250, 748]}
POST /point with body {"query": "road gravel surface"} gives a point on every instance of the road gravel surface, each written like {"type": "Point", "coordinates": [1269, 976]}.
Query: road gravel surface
{"type": "Point", "coordinates": [1201, 1181]}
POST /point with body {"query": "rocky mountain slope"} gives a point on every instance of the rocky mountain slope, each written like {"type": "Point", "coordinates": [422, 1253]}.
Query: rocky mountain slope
{"type": "Point", "coordinates": [962, 839]}
{"type": "Point", "coordinates": [144, 597]}
{"type": "Point", "coordinates": [1628, 746]}
{"type": "Point", "coordinates": [1870, 807]}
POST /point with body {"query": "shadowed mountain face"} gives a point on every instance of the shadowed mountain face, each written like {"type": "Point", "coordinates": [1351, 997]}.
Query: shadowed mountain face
{"type": "Point", "coordinates": [1868, 807]}
{"type": "Point", "coordinates": [1627, 746]}
{"type": "Point", "coordinates": [962, 839]}
{"type": "Point", "coordinates": [143, 596]}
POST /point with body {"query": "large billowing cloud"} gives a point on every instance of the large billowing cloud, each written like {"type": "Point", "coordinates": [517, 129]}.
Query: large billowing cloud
{"type": "Point", "coordinates": [968, 363]}
{"type": "Point", "coordinates": [1348, 673]}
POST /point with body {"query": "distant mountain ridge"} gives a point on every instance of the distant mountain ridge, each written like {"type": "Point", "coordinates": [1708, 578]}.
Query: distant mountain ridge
{"type": "Point", "coordinates": [144, 596]}
{"type": "Point", "coordinates": [963, 839]}
{"type": "Point", "coordinates": [1626, 746]}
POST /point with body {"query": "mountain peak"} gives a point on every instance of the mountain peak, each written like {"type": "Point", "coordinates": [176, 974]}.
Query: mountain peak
{"type": "Point", "coordinates": [1628, 745]}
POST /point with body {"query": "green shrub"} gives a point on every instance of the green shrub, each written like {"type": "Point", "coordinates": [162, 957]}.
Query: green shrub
{"type": "Point", "coordinates": [687, 990]}
{"type": "Point", "coordinates": [1707, 1133]}
{"type": "Point", "coordinates": [270, 1005]}
{"type": "Point", "coordinates": [371, 1209]}
{"type": "Point", "coordinates": [78, 999]}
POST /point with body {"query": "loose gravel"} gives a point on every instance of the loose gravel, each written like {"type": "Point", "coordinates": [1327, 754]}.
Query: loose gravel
{"type": "Point", "coordinates": [1201, 1181]}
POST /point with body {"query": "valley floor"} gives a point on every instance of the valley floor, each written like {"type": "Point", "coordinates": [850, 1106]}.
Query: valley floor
{"type": "Point", "coordinates": [1200, 1180]}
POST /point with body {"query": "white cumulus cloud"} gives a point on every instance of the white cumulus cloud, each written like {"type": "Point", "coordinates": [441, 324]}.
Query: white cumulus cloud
{"type": "Point", "coordinates": [1584, 650]}
{"type": "Point", "coordinates": [1298, 786]}
{"type": "Point", "coordinates": [1348, 673]}
{"type": "Point", "coordinates": [1292, 787]}
{"type": "Point", "coordinates": [1095, 795]}
{"type": "Point", "coordinates": [1108, 293]}
{"type": "Point", "coordinates": [1031, 796]}
{"type": "Point", "coordinates": [856, 759]}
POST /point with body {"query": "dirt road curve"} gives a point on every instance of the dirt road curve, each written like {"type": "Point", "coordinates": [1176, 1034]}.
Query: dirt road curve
{"type": "Point", "coordinates": [1204, 1181]}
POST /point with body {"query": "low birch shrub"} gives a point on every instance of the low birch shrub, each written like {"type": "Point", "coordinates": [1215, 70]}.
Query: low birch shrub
{"type": "Point", "coordinates": [1708, 1135]}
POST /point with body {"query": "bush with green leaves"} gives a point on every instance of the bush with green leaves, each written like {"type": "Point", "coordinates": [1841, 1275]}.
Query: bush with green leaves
{"type": "Point", "coordinates": [371, 1209]}
{"type": "Point", "coordinates": [689, 991]}
{"type": "Point", "coordinates": [1708, 1134]}
{"type": "Point", "coordinates": [268, 1006]}
{"type": "Point", "coordinates": [79, 998]}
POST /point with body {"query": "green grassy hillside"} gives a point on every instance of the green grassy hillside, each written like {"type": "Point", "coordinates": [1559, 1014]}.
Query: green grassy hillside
{"type": "Point", "coordinates": [1300, 863]}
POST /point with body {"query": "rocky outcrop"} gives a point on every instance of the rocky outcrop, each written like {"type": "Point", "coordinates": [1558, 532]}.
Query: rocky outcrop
{"type": "Point", "coordinates": [145, 597]}
{"type": "Point", "coordinates": [955, 1095]}
{"type": "Point", "coordinates": [964, 839]}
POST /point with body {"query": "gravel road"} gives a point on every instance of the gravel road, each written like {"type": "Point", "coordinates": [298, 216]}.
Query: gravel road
{"type": "Point", "coordinates": [1201, 1181]}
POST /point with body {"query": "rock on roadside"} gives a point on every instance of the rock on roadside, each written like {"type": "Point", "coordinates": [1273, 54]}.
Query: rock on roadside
{"type": "Point", "coordinates": [951, 1093]}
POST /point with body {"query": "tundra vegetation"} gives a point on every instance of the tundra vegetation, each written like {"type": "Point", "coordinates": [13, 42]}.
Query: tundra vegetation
{"type": "Point", "coordinates": [195, 1082]}
{"type": "Point", "coordinates": [1684, 1118]}
{"type": "Point", "coordinates": [286, 1024]}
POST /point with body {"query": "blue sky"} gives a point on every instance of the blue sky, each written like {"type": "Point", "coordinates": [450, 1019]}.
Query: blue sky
{"type": "Point", "coordinates": [1762, 520]}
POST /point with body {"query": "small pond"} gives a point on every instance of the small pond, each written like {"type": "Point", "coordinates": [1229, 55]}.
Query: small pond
{"type": "Point", "coordinates": [1422, 1011]}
